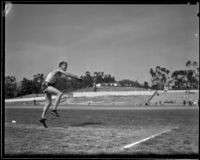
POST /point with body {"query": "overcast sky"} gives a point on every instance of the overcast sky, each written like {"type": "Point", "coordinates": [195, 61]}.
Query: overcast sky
{"type": "Point", "coordinates": [123, 40]}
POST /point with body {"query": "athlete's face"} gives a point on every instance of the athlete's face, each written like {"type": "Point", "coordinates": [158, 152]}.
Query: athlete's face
{"type": "Point", "coordinates": [64, 67]}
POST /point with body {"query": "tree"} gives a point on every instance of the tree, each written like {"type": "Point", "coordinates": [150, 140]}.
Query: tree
{"type": "Point", "coordinates": [146, 85]}
{"type": "Point", "coordinates": [38, 79]}
{"type": "Point", "coordinates": [137, 84]}
{"type": "Point", "coordinates": [180, 79]}
{"type": "Point", "coordinates": [27, 87]}
{"type": "Point", "coordinates": [130, 83]}
{"type": "Point", "coordinates": [188, 63]}
{"type": "Point", "coordinates": [160, 77]}
{"type": "Point", "coordinates": [88, 80]}
{"type": "Point", "coordinates": [98, 77]}
{"type": "Point", "coordinates": [195, 64]}
{"type": "Point", "coordinates": [10, 87]}
{"type": "Point", "coordinates": [192, 74]}
{"type": "Point", "coordinates": [186, 79]}
{"type": "Point", "coordinates": [126, 83]}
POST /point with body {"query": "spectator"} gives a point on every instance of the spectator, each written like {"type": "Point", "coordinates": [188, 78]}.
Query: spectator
{"type": "Point", "coordinates": [190, 103]}
{"type": "Point", "coordinates": [95, 87]}
{"type": "Point", "coordinates": [34, 101]}
{"type": "Point", "coordinates": [184, 102]}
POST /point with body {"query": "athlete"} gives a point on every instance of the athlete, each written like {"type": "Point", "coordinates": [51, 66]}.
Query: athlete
{"type": "Point", "coordinates": [49, 89]}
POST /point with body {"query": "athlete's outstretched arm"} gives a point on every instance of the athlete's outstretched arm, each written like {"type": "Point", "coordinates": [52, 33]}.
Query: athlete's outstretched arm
{"type": "Point", "coordinates": [69, 74]}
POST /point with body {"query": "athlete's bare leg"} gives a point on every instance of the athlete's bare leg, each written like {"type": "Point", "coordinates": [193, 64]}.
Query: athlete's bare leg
{"type": "Point", "coordinates": [48, 104]}
{"type": "Point", "coordinates": [53, 90]}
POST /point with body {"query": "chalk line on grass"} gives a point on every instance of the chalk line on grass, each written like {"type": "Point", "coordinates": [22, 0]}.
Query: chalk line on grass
{"type": "Point", "coordinates": [145, 139]}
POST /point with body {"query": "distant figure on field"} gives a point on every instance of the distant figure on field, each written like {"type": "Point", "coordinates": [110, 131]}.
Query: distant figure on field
{"type": "Point", "coordinates": [184, 102]}
{"type": "Point", "coordinates": [49, 89]}
{"type": "Point", "coordinates": [190, 103]}
{"type": "Point", "coordinates": [34, 101]}
{"type": "Point", "coordinates": [95, 87]}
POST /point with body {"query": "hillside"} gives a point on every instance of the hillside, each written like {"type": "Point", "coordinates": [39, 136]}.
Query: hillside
{"type": "Point", "coordinates": [104, 100]}
{"type": "Point", "coordinates": [174, 97]}
{"type": "Point", "coordinates": [110, 89]}
{"type": "Point", "coordinates": [91, 89]}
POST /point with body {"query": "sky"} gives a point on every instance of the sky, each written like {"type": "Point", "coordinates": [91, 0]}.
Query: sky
{"type": "Point", "coordinates": [122, 40]}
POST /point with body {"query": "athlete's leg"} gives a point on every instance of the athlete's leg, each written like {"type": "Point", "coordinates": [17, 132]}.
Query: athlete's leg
{"type": "Point", "coordinates": [57, 101]}
{"type": "Point", "coordinates": [59, 94]}
{"type": "Point", "coordinates": [48, 104]}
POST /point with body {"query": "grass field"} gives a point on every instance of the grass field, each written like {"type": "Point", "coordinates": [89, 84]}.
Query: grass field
{"type": "Point", "coordinates": [86, 131]}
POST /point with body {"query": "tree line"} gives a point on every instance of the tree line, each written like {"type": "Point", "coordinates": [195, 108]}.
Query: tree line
{"type": "Point", "coordinates": [179, 79]}
{"type": "Point", "coordinates": [160, 78]}
{"type": "Point", "coordinates": [34, 85]}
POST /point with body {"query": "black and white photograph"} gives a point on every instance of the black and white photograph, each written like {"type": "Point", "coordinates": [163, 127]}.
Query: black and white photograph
{"type": "Point", "coordinates": [101, 79]}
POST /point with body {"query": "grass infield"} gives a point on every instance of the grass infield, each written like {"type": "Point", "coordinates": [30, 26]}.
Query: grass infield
{"type": "Point", "coordinates": [102, 131]}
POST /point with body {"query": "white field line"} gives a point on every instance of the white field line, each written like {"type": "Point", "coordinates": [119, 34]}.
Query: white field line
{"type": "Point", "coordinates": [145, 139]}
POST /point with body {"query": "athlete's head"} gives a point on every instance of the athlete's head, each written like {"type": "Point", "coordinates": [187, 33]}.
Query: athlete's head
{"type": "Point", "coordinates": [63, 65]}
